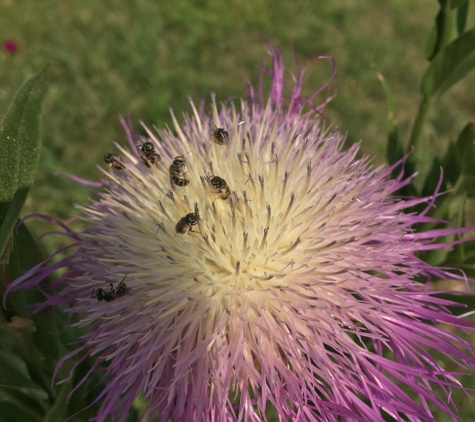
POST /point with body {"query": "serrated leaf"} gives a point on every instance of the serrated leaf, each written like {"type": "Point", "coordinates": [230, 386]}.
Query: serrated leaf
{"type": "Point", "coordinates": [20, 151]}
{"type": "Point", "coordinates": [450, 65]}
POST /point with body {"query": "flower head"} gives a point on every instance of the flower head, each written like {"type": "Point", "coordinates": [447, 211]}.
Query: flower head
{"type": "Point", "coordinates": [10, 46]}
{"type": "Point", "coordinates": [246, 259]}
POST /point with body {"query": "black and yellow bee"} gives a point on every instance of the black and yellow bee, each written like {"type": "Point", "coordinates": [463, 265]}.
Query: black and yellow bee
{"type": "Point", "coordinates": [219, 136]}
{"type": "Point", "coordinates": [178, 171]}
{"type": "Point", "coordinates": [186, 223]}
{"type": "Point", "coordinates": [113, 161]}
{"type": "Point", "coordinates": [148, 154]}
{"type": "Point", "coordinates": [220, 187]}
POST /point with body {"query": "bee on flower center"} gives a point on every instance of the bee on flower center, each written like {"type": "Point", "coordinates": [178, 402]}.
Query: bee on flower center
{"type": "Point", "coordinates": [148, 154]}
{"type": "Point", "coordinates": [186, 223]}
{"type": "Point", "coordinates": [220, 187]}
{"type": "Point", "coordinates": [219, 136]}
{"type": "Point", "coordinates": [178, 171]}
{"type": "Point", "coordinates": [111, 294]}
{"type": "Point", "coordinates": [114, 161]}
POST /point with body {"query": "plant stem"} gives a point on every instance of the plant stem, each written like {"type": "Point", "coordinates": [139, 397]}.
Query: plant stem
{"type": "Point", "coordinates": [419, 123]}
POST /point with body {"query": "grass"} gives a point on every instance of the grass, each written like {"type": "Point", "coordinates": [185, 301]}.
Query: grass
{"type": "Point", "coordinates": [141, 56]}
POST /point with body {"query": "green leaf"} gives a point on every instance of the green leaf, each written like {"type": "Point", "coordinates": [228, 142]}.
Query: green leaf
{"type": "Point", "coordinates": [25, 255]}
{"type": "Point", "coordinates": [20, 150]}
{"type": "Point", "coordinates": [14, 373]}
{"type": "Point", "coordinates": [457, 3]}
{"type": "Point", "coordinates": [451, 163]}
{"type": "Point", "coordinates": [58, 411]}
{"type": "Point", "coordinates": [465, 145]}
{"type": "Point", "coordinates": [467, 185]}
{"type": "Point", "coordinates": [394, 149]}
{"type": "Point", "coordinates": [459, 158]}
{"type": "Point", "coordinates": [435, 257]}
{"type": "Point", "coordinates": [467, 299]}
{"type": "Point", "coordinates": [9, 212]}
{"type": "Point", "coordinates": [450, 65]}
{"type": "Point", "coordinates": [457, 254]}
{"type": "Point", "coordinates": [18, 408]}
{"type": "Point", "coordinates": [20, 137]}
{"type": "Point", "coordinates": [440, 32]}
{"type": "Point", "coordinates": [431, 43]}
{"type": "Point", "coordinates": [462, 14]}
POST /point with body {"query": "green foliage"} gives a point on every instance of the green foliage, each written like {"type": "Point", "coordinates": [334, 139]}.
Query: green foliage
{"type": "Point", "coordinates": [26, 344]}
{"type": "Point", "coordinates": [20, 137]}
{"type": "Point", "coordinates": [450, 62]}
{"type": "Point", "coordinates": [20, 146]}
{"type": "Point", "coordinates": [140, 57]}
{"type": "Point", "coordinates": [462, 17]}
{"type": "Point", "coordinates": [450, 65]}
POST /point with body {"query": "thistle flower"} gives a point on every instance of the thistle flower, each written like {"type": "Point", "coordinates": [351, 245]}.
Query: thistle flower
{"type": "Point", "coordinates": [259, 264]}
{"type": "Point", "coordinates": [10, 46]}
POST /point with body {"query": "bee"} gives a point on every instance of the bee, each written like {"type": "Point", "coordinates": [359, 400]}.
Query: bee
{"type": "Point", "coordinates": [148, 154]}
{"type": "Point", "coordinates": [178, 171]}
{"type": "Point", "coordinates": [186, 223]}
{"type": "Point", "coordinates": [220, 186]}
{"type": "Point", "coordinates": [219, 136]}
{"type": "Point", "coordinates": [111, 294]}
{"type": "Point", "coordinates": [114, 161]}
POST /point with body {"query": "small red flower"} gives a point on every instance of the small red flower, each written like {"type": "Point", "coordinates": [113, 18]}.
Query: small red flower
{"type": "Point", "coordinates": [10, 46]}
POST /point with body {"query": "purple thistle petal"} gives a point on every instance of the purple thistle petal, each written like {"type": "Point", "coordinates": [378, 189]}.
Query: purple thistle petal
{"type": "Point", "coordinates": [44, 217]}
{"type": "Point", "coordinates": [131, 136]}
{"type": "Point", "coordinates": [80, 180]}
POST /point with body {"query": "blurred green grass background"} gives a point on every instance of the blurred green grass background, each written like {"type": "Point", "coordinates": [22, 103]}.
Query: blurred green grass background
{"type": "Point", "coordinates": [138, 57]}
